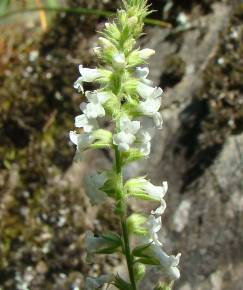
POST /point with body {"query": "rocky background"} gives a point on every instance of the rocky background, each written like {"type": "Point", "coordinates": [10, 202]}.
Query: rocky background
{"type": "Point", "coordinates": [44, 212]}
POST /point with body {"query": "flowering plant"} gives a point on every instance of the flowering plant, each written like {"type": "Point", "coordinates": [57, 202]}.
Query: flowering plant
{"type": "Point", "coordinates": [124, 95]}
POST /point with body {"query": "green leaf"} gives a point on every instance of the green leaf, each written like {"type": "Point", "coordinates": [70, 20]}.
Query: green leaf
{"type": "Point", "coordinates": [122, 284]}
{"type": "Point", "coordinates": [144, 258]}
{"type": "Point", "coordinates": [148, 261]}
{"type": "Point", "coordinates": [138, 251]}
{"type": "Point", "coordinates": [113, 238]}
{"type": "Point", "coordinates": [113, 243]}
{"type": "Point", "coordinates": [111, 186]}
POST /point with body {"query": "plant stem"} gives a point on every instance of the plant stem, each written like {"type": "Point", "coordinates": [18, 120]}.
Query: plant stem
{"type": "Point", "coordinates": [123, 215]}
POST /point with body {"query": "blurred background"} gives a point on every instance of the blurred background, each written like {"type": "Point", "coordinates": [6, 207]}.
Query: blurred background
{"type": "Point", "coordinates": [44, 212]}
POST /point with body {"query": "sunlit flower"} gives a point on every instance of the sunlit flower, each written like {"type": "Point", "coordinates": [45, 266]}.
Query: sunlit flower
{"type": "Point", "coordinates": [87, 75]}
{"type": "Point", "coordinates": [126, 136]}
{"type": "Point", "coordinates": [88, 125]}
{"type": "Point", "coordinates": [82, 141]}
{"type": "Point", "coordinates": [168, 264]}
{"type": "Point", "coordinates": [146, 91]}
{"type": "Point", "coordinates": [143, 141]}
{"type": "Point", "coordinates": [153, 226]}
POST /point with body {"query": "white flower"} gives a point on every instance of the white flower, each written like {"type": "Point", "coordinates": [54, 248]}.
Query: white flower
{"type": "Point", "coordinates": [97, 283]}
{"type": "Point", "coordinates": [167, 263]}
{"type": "Point", "coordinates": [158, 121]}
{"type": "Point", "coordinates": [126, 136]}
{"type": "Point", "coordinates": [143, 139]}
{"type": "Point", "coordinates": [94, 108]}
{"type": "Point", "coordinates": [87, 75]}
{"type": "Point", "coordinates": [97, 96]}
{"type": "Point", "coordinates": [146, 91]}
{"type": "Point", "coordinates": [141, 72]}
{"type": "Point", "coordinates": [82, 141]}
{"type": "Point", "coordinates": [119, 60]}
{"type": "Point", "coordinates": [140, 187]}
{"type": "Point", "coordinates": [146, 53]}
{"type": "Point", "coordinates": [88, 125]}
{"type": "Point", "coordinates": [153, 226]}
{"type": "Point", "coordinates": [92, 185]}
{"type": "Point", "coordinates": [158, 192]}
{"type": "Point", "coordinates": [150, 106]}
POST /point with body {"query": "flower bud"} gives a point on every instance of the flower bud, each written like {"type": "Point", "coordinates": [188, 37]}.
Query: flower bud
{"type": "Point", "coordinates": [119, 60]}
{"type": "Point", "coordinates": [132, 21]}
{"type": "Point", "coordinates": [146, 53]}
{"type": "Point", "coordinates": [135, 224]}
{"type": "Point", "coordinates": [139, 271]}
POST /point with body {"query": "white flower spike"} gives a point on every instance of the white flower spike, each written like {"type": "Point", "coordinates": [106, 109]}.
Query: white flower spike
{"type": "Point", "coordinates": [129, 104]}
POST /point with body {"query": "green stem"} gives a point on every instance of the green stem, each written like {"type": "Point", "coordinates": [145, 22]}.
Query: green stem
{"type": "Point", "coordinates": [123, 216]}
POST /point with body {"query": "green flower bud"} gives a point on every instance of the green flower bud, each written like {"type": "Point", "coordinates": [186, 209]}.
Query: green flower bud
{"type": "Point", "coordinates": [102, 139]}
{"type": "Point", "coordinates": [139, 271]}
{"type": "Point", "coordinates": [135, 224]}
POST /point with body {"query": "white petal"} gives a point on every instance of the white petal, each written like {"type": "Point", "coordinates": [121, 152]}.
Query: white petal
{"type": "Point", "coordinates": [80, 121]}
{"type": "Point", "coordinates": [142, 72]}
{"type": "Point", "coordinates": [145, 91]}
{"type": "Point", "coordinates": [168, 263]}
{"type": "Point", "coordinates": [91, 97]}
{"type": "Point", "coordinates": [84, 140]}
{"type": "Point", "coordinates": [88, 125]}
{"type": "Point", "coordinates": [145, 148]}
{"type": "Point", "coordinates": [93, 111]}
{"type": "Point", "coordinates": [155, 191]}
{"type": "Point", "coordinates": [102, 97]}
{"type": "Point", "coordinates": [78, 85]}
{"type": "Point", "coordinates": [88, 74]}
{"type": "Point", "coordinates": [150, 106]}
{"type": "Point", "coordinates": [158, 121]}
{"type": "Point", "coordinates": [73, 137]}
{"type": "Point", "coordinates": [161, 209]}
{"type": "Point", "coordinates": [129, 126]}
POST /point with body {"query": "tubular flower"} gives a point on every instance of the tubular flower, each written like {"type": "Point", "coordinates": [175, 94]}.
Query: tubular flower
{"type": "Point", "coordinates": [126, 136]}
{"type": "Point", "coordinates": [168, 264]}
{"type": "Point", "coordinates": [87, 75]}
